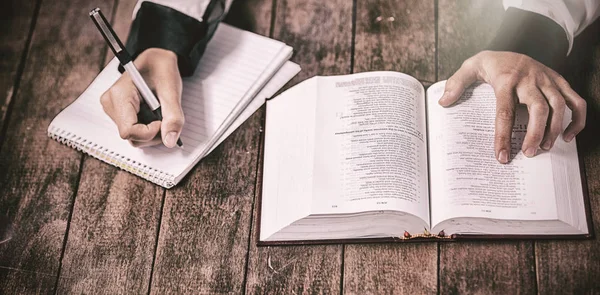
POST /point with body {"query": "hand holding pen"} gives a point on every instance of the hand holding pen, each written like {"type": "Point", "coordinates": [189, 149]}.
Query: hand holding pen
{"type": "Point", "coordinates": [158, 70]}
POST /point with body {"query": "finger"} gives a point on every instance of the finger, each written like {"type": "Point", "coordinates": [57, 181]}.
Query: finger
{"type": "Point", "coordinates": [577, 105]}
{"type": "Point", "coordinates": [140, 144]}
{"type": "Point", "coordinates": [557, 112]}
{"type": "Point", "coordinates": [169, 94]}
{"type": "Point", "coordinates": [466, 75]}
{"type": "Point", "coordinates": [505, 117]}
{"type": "Point", "coordinates": [122, 104]}
{"type": "Point", "coordinates": [538, 108]}
{"type": "Point", "coordinates": [144, 133]}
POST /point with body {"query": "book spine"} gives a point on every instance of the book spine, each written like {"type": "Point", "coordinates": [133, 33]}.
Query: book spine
{"type": "Point", "coordinates": [111, 157]}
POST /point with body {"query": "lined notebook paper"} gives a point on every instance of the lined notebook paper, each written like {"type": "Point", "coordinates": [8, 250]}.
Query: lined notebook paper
{"type": "Point", "coordinates": [238, 71]}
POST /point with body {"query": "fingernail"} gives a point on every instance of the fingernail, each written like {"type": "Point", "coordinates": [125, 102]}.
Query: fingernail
{"type": "Point", "coordinates": [171, 139]}
{"type": "Point", "coordinates": [569, 137]}
{"type": "Point", "coordinates": [503, 157]}
{"type": "Point", "coordinates": [530, 152]}
{"type": "Point", "coordinates": [547, 145]}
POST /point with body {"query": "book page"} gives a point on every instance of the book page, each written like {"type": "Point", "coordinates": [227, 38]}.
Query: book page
{"type": "Point", "coordinates": [370, 146]}
{"type": "Point", "coordinates": [467, 180]}
{"type": "Point", "coordinates": [285, 74]}
{"type": "Point", "coordinates": [287, 178]}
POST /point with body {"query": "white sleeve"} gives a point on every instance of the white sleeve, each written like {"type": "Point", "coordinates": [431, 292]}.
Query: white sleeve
{"type": "Point", "coordinates": [572, 15]}
{"type": "Point", "coordinates": [193, 8]}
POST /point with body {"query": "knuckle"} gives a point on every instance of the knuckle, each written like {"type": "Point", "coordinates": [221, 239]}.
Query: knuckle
{"type": "Point", "coordinates": [115, 90]}
{"type": "Point", "coordinates": [580, 104]}
{"type": "Point", "coordinates": [501, 138]}
{"type": "Point", "coordinates": [176, 122]}
{"type": "Point", "coordinates": [510, 80]}
{"type": "Point", "coordinates": [505, 114]}
{"type": "Point", "coordinates": [579, 125]}
{"type": "Point", "coordinates": [559, 106]}
{"type": "Point", "coordinates": [543, 80]}
{"type": "Point", "coordinates": [540, 108]}
{"type": "Point", "coordinates": [469, 63]}
{"type": "Point", "coordinates": [124, 133]}
{"type": "Point", "coordinates": [561, 81]}
{"type": "Point", "coordinates": [105, 99]}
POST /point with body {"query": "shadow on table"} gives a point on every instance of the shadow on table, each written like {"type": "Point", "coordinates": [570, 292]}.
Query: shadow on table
{"type": "Point", "coordinates": [582, 70]}
{"type": "Point", "coordinates": [240, 15]}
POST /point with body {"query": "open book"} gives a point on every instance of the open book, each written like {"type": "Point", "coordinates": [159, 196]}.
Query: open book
{"type": "Point", "coordinates": [373, 155]}
{"type": "Point", "coordinates": [238, 72]}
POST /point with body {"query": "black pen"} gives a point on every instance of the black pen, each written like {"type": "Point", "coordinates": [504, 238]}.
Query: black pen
{"type": "Point", "coordinates": [127, 62]}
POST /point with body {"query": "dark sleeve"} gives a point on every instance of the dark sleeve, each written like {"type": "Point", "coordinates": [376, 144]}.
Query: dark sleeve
{"type": "Point", "coordinates": [158, 26]}
{"type": "Point", "coordinates": [534, 35]}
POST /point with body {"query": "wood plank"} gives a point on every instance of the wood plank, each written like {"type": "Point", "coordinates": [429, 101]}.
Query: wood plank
{"type": "Point", "coordinates": [206, 220]}
{"type": "Point", "coordinates": [465, 28]}
{"type": "Point", "coordinates": [574, 266]}
{"type": "Point", "coordinates": [400, 36]}
{"type": "Point", "coordinates": [38, 176]}
{"type": "Point", "coordinates": [26, 282]}
{"type": "Point", "coordinates": [321, 34]}
{"type": "Point", "coordinates": [112, 234]}
{"type": "Point", "coordinates": [396, 36]}
{"type": "Point", "coordinates": [203, 240]}
{"type": "Point", "coordinates": [16, 19]}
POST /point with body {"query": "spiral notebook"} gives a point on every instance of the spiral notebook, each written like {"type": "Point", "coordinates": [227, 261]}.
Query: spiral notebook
{"type": "Point", "coordinates": [238, 72]}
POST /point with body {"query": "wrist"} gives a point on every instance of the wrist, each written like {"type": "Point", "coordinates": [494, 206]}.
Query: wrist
{"type": "Point", "coordinates": [155, 58]}
{"type": "Point", "coordinates": [151, 55]}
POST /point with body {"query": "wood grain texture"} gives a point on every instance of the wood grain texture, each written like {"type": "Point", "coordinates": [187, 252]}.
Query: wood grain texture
{"type": "Point", "coordinates": [405, 43]}
{"type": "Point", "coordinates": [203, 241]}
{"type": "Point", "coordinates": [112, 233]}
{"type": "Point", "coordinates": [16, 19]}
{"type": "Point", "coordinates": [396, 36]}
{"type": "Point", "coordinates": [38, 176]}
{"type": "Point", "coordinates": [465, 28]}
{"type": "Point", "coordinates": [26, 282]}
{"type": "Point", "coordinates": [321, 34]}
{"type": "Point", "coordinates": [409, 268]}
{"type": "Point", "coordinates": [573, 267]}
{"type": "Point", "coordinates": [206, 220]}
{"type": "Point", "coordinates": [114, 223]}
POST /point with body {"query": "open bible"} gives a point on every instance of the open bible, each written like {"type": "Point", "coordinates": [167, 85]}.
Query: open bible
{"type": "Point", "coordinates": [373, 155]}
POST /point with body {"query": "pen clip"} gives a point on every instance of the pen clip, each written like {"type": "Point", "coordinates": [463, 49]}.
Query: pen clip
{"type": "Point", "coordinates": [107, 32]}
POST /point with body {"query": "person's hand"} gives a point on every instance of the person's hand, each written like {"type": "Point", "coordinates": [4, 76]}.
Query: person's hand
{"type": "Point", "coordinates": [517, 78]}
{"type": "Point", "coordinates": [122, 101]}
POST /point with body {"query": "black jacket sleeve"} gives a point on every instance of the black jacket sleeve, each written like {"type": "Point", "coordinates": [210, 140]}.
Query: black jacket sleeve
{"type": "Point", "coordinates": [158, 26]}
{"type": "Point", "coordinates": [534, 35]}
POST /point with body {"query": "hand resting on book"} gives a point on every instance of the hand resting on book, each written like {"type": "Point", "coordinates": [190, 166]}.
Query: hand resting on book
{"type": "Point", "coordinates": [517, 78]}
{"type": "Point", "coordinates": [122, 102]}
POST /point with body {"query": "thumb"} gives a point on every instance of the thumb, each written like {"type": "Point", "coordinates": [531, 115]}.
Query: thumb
{"type": "Point", "coordinates": [455, 86]}
{"type": "Point", "coordinates": [172, 114]}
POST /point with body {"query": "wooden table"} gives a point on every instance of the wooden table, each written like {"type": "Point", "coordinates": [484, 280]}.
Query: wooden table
{"type": "Point", "coordinates": [82, 226]}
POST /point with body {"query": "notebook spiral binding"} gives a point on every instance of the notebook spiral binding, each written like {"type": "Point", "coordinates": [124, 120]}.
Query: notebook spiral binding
{"type": "Point", "coordinates": [83, 145]}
